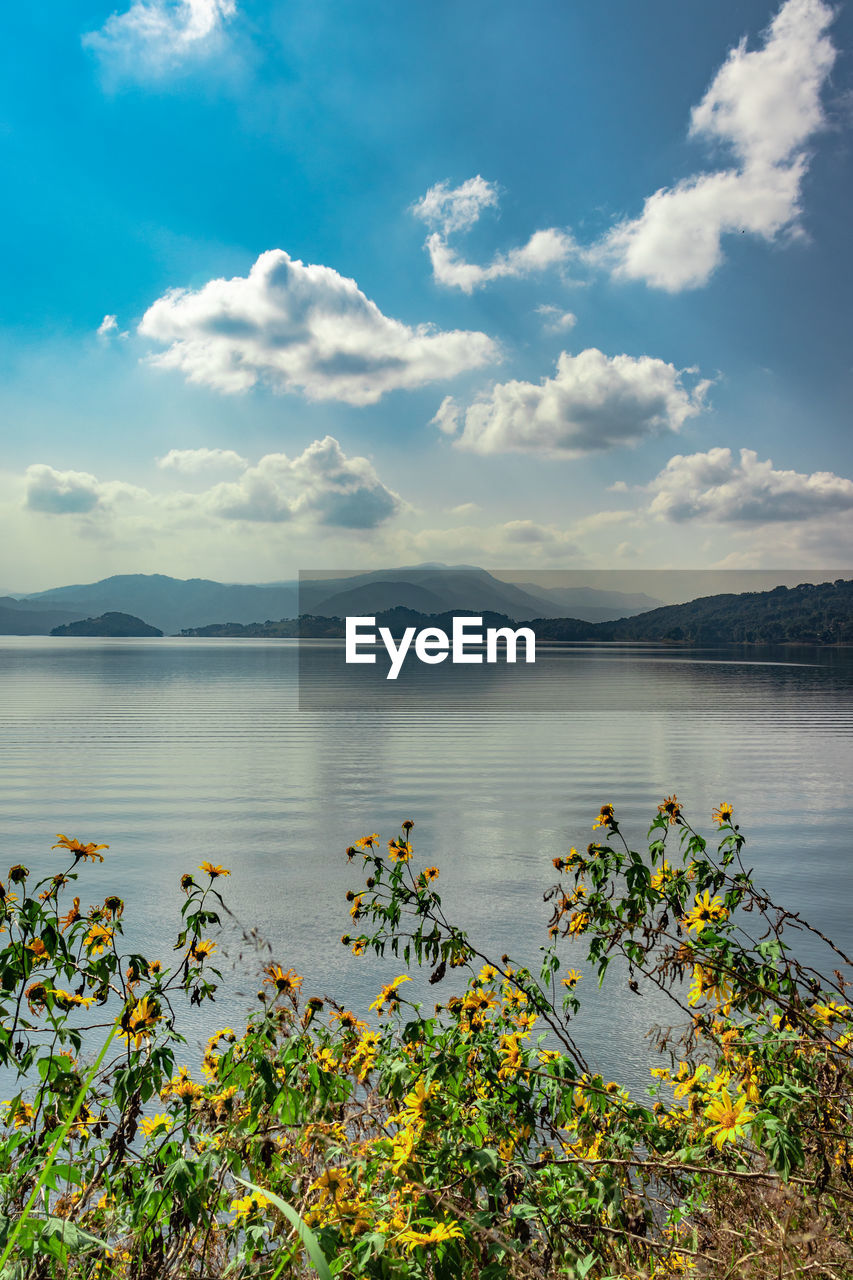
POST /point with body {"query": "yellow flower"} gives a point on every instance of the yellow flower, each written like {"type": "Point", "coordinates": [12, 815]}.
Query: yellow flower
{"type": "Point", "coordinates": [399, 850]}
{"type": "Point", "coordinates": [325, 1060]}
{"type": "Point", "coordinates": [663, 875]}
{"type": "Point", "coordinates": [572, 979]}
{"type": "Point", "coordinates": [250, 1206]}
{"type": "Point", "coordinates": [74, 914]}
{"type": "Point", "coordinates": [706, 983]}
{"type": "Point", "coordinates": [578, 922]}
{"type": "Point", "coordinates": [832, 1011]}
{"type": "Point", "coordinates": [513, 1058]}
{"type": "Point", "coordinates": [22, 1115]}
{"type": "Point", "coordinates": [751, 1082]}
{"type": "Point", "coordinates": [153, 1124]}
{"type": "Point", "coordinates": [478, 1001]}
{"type": "Point", "coordinates": [388, 995]}
{"type": "Point", "coordinates": [138, 1021]}
{"type": "Point", "coordinates": [212, 870]}
{"type": "Point", "coordinates": [723, 815]}
{"type": "Point", "coordinates": [181, 1086]}
{"type": "Point", "coordinates": [65, 999]}
{"type": "Point", "coordinates": [729, 1118]}
{"type": "Point", "coordinates": [441, 1232]}
{"type": "Point", "coordinates": [488, 973]}
{"type": "Point", "coordinates": [283, 980]}
{"type": "Point", "coordinates": [605, 818]}
{"type": "Point", "coordinates": [402, 1146]}
{"type": "Point", "coordinates": [98, 937]}
{"type": "Point", "coordinates": [80, 850]}
{"type": "Point", "coordinates": [364, 1053]}
{"type": "Point", "coordinates": [201, 949]}
{"type": "Point", "coordinates": [705, 910]}
{"type": "Point", "coordinates": [431, 873]}
{"type": "Point", "coordinates": [688, 1082]}
{"type": "Point", "coordinates": [671, 808]}
{"type": "Point", "coordinates": [415, 1104]}
{"type": "Point", "coordinates": [335, 1184]}
{"type": "Point", "coordinates": [367, 842]}
{"type": "Point", "coordinates": [38, 948]}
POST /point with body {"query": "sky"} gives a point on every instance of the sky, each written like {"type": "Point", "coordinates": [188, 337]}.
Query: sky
{"type": "Point", "coordinates": [324, 285]}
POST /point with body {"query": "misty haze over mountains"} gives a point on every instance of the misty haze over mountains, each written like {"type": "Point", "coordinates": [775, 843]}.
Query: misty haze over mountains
{"type": "Point", "coordinates": [175, 604]}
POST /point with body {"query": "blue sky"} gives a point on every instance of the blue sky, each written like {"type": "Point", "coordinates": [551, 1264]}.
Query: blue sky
{"type": "Point", "coordinates": [325, 285]}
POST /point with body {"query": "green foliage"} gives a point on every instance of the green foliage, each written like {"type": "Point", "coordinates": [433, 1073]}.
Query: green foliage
{"type": "Point", "coordinates": [472, 1139]}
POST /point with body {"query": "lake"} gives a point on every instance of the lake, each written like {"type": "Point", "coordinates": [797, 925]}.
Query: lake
{"type": "Point", "coordinates": [179, 750]}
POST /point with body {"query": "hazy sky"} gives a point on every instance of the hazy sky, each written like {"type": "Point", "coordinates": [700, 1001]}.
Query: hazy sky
{"type": "Point", "coordinates": [330, 284]}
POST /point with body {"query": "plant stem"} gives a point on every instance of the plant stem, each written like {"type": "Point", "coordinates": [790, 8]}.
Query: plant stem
{"type": "Point", "coordinates": [60, 1138]}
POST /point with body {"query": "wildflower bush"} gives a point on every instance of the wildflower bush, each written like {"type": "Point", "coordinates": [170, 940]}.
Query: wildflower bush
{"type": "Point", "coordinates": [468, 1139]}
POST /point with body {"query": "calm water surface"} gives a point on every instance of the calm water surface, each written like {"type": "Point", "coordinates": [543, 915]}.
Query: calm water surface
{"type": "Point", "coordinates": [174, 751]}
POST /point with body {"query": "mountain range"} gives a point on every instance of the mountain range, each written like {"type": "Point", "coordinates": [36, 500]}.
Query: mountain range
{"type": "Point", "coordinates": [811, 613]}
{"type": "Point", "coordinates": [175, 604]}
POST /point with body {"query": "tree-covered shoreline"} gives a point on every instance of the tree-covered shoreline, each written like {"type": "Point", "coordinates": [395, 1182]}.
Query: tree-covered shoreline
{"type": "Point", "coordinates": [812, 613]}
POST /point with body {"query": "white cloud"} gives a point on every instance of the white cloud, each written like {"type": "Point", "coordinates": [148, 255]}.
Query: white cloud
{"type": "Point", "coordinates": [766, 103]}
{"type": "Point", "coordinates": [302, 328]}
{"type": "Point", "coordinates": [555, 320]}
{"type": "Point", "coordinates": [449, 209]}
{"type": "Point", "coordinates": [593, 402]}
{"type": "Point", "coordinates": [108, 325]}
{"type": "Point", "coordinates": [58, 492]}
{"type": "Point", "coordinates": [155, 36]}
{"type": "Point", "coordinates": [544, 249]}
{"type": "Point", "coordinates": [456, 208]}
{"type": "Point", "coordinates": [320, 488]}
{"type": "Point", "coordinates": [715, 486]}
{"type": "Point", "coordinates": [71, 492]}
{"type": "Point", "coordinates": [191, 461]}
{"type": "Point", "coordinates": [321, 484]}
{"type": "Point", "coordinates": [446, 417]}
{"type": "Point", "coordinates": [763, 105]}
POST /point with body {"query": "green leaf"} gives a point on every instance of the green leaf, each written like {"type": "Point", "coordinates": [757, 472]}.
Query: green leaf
{"type": "Point", "coordinates": [74, 1239]}
{"type": "Point", "coordinates": [306, 1235]}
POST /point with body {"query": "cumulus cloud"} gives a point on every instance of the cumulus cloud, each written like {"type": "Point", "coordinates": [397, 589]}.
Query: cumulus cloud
{"type": "Point", "coordinates": [718, 487]}
{"type": "Point", "coordinates": [321, 484]}
{"type": "Point", "coordinates": [192, 461]}
{"type": "Point", "coordinates": [58, 492]}
{"type": "Point", "coordinates": [320, 487]}
{"type": "Point", "coordinates": [71, 492]}
{"type": "Point", "coordinates": [593, 402]}
{"type": "Point", "coordinates": [108, 325]}
{"type": "Point", "coordinates": [153, 37]}
{"type": "Point", "coordinates": [763, 106]}
{"type": "Point", "coordinates": [452, 209]}
{"type": "Point", "coordinates": [302, 328]}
